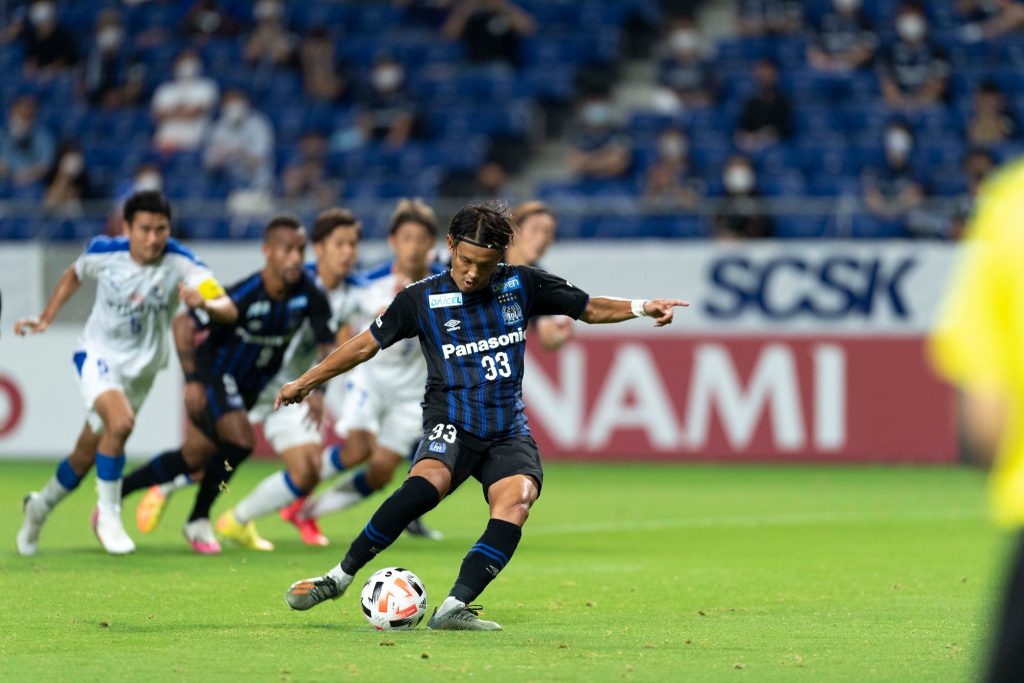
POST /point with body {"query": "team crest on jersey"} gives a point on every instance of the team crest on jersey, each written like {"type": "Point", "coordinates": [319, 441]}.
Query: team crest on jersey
{"type": "Point", "coordinates": [512, 314]}
{"type": "Point", "coordinates": [453, 325]}
{"type": "Point", "coordinates": [506, 286]}
{"type": "Point", "coordinates": [445, 300]}
{"type": "Point", "coordinates": [438, 447]}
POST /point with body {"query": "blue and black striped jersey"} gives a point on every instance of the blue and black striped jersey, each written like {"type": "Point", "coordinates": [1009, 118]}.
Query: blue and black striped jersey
{"type": "Point", "coordinates": [251, 350]}
{"type": "Point", "coordinates": [475, 343]}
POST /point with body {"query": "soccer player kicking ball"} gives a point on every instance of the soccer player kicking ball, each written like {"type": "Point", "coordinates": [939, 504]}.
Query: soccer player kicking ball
{"type": "Point", "coordinates": [141, 276]}
{"type": "Point", "coordinates": [471, 323]}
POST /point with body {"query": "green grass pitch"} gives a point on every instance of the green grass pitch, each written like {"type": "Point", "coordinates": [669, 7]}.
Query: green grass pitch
{"type": "Point", "coordinates": [625, 572]}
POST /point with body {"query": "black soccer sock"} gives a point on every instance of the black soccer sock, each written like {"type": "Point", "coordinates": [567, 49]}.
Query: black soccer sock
{"type": "Point", "coordinates": [219, 471]}
{"type": "Point", "coordinates": [485, 559]}
{"type": "Point", "coordinates": [164, 467]}
{"type": "Point", "coordinates": [415, 497]}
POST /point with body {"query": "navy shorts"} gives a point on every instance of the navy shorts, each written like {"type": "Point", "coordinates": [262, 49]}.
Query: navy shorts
{"type": "Point", "coordinates": [466, 455]}
{"type": "Point", "coordinates": [222, 396]}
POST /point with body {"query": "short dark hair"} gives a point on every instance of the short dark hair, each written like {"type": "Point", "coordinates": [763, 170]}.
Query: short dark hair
{"type": "Point", "coordinates": [484, 225]}
{"type": "Point", "coordinates": [413, 211]}
{"type": "Point", "coordinates": [152, 201]}
{"type": "Point", "coordinates": [283, 221]}
{"type": "Point", "coordinates": [329, 219]}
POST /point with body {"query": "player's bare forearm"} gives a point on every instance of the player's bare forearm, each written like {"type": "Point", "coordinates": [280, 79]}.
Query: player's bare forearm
{"type": "Point", "coordinates": [184, 330]}
{"type": "Point", "coordinates": [222, 310]}
{"type": "Point", "coordinates": [355, 351]}
{"type": "Point", "coordinates": [603, 310]}
{"type": "Point", "coordinates": [65, 289]}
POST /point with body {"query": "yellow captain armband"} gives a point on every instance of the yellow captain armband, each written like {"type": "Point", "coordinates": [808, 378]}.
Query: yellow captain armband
{"type": "Point", "coordinates": [210, 289]}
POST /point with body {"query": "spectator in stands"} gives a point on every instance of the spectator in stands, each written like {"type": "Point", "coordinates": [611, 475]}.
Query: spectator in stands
{"type": "Point", "coordinates": [240, 148]}
{"type": "Point", "coordinates": [893, 190]}
{"type": "Point", "coordinates": [270, 43]}
{"type": "Point", "coordinates": [147, 176]}
{"type": "Point", "coordinates": [113, 76]}
{"type": "Point", "coordinates": [743, 215]}
{"type": "Point", "coordinates": [768, 17]}
{"type": "Point", "coordinates": [914, 71]}
{"type": "Point", "coordinates": [991, 121]}
{"type": "Point", "coordinates": [323, 74]}
{"type": "Point", "coordinates": [978, 165]}
{"type": "Point", "coordinates": [844, 40]}
{"type": "Point", "coordinates": [599, 148]}
{"type": "Point", "coordinates": [685, 76]}
{"type": "Point", "coordinates": [67, 183]}
{"type": "Point", "coordinates": [490, 29]}
{"type": "Point", "coordinates": [306, 178]}
{"type": "Point", "coordinates": [987, 19]}
{"type": "Point", "coordinates": [50, 48]}
{"type": "Point", "coordinates": [386, 111]}
{"type": "Point", "coordinates": [207, 19]}
{"type": "Point", "coordinates": [767, 115]}
{"type": "Point", "coordinates": [670, 180]}
{"type": "Point", "coordinates": [182, 107]}
{"type": "Point", "coordinates": [26, 147]}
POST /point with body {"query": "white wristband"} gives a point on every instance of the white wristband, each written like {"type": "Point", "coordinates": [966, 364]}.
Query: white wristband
{"type": "Point", "coordinates": [637, 305]}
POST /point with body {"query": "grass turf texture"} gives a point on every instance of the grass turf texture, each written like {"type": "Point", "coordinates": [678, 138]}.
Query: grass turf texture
{"type": "Point", "coordinates": [625, 572]}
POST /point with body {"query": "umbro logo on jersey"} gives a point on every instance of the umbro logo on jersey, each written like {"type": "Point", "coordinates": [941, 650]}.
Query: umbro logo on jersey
{"type": "Point", "coordinates": [445, 300]}
{"type": "Point", "coordinates": [453, 325]}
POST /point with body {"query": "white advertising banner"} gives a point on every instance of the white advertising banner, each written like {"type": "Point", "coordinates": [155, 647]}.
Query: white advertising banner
{"type": "Point", "coordinates": [21, 282]}
{"type": "Point", "coordinates": [41, 408]}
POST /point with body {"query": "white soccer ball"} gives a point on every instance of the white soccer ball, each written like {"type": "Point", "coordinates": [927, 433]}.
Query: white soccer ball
{"type": "Point", "coordinates": [394, 599]}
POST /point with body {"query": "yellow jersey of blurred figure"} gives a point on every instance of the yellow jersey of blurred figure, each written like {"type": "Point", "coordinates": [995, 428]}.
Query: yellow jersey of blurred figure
{"type": "Point", "coordinates": [978, 342]}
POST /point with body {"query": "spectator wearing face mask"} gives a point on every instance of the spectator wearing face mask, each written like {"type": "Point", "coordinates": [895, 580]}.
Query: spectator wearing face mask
{"type": "Point", "coordinates": [685, 75]}
{"type": "Point", "coordinates": [756, 18]}
{"type": "Point", "coordinates": [386, 111]}
{"type": "Point", "coordinates": [270, 44]}
{"type": "Point", "coordinates": [147, 176]}
{"type": "Point", "coordinates": [991, 121]}
{"type": "Point", "coordinates": [50, 48]}
{"type": "Point", "coordinates": [742, 216]}
{"type": "Point", "coordinates": [324, 77]}
{"type": "Point", "coordinates": [26, 148]}
{"type": "Point", "coordinates": [599, 148]}
{"type": "Point", "coordinates": [113, 76]}
{"type": "Point", "coordinates": [490, 29]}
{"type": "Point", "coordinates": [767, 116]}
{"type": "Point", "coordinates": [208, 19]}
{"type": "Point", "coordinates": [670, 179]}
{"type": "Point", "coordinates": [182, 107]}
{"type": "Point", "coordinates": [893, 190]}
{"type": "Point", "coordinates": [240, 146]}
{"type": "Point", "coordinates": [914, 71]}
{"type": "Point", "coordinates": [67, 183]}
{"type": "Point", "coordinates": [844, 40]}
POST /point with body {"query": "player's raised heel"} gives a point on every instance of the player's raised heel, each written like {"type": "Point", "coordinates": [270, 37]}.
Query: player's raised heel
{"type": "Point", "coordinates": [106, 524]}
{"type": "Point", "coordinates": [35, 514]}
{"type": "Point", "coordinates": [307, 526]}
{"type": "Point", "coordinates": [150, 509]}
{"type": "Point", "coordinates": [461, 618]}
{"type": "Point", "coordinates": [311, 592]}
{"type": "Point", "coordinates": [199, 535]}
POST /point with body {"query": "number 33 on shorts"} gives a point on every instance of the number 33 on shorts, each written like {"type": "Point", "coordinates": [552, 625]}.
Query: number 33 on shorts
{"type": "Point", "coordinates": [440, 435]}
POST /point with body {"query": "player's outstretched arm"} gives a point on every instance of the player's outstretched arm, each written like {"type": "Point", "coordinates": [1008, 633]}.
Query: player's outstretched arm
{"type": "Point", "coordinates": [604, 309]}
{"type": "Point", "coordinates": [65, 289]}
{"type": "Point", "coordinates": [359, 349]}
{"type": "Point", "coordinates": [220, 307]}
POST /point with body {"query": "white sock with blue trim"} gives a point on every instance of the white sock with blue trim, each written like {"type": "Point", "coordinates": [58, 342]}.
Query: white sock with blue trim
{"type": "Point", "coordinates": [270, 495]}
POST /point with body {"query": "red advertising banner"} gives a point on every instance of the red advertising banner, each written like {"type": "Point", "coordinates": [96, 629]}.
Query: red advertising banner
{"type": "Point", "coordinates": [740, 398]}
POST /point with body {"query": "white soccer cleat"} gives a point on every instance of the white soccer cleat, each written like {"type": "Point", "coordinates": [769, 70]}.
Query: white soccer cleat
{"type": "Point", "coordinates": [199, 534]}
{"type": "Point", "coordinates": [110, 531]}
{"type": "Point", "coordinates": [35, 514]}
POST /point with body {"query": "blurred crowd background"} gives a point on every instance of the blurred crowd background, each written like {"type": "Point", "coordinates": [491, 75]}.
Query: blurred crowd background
{"type": "Point", "coordinates": [726, 119]}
